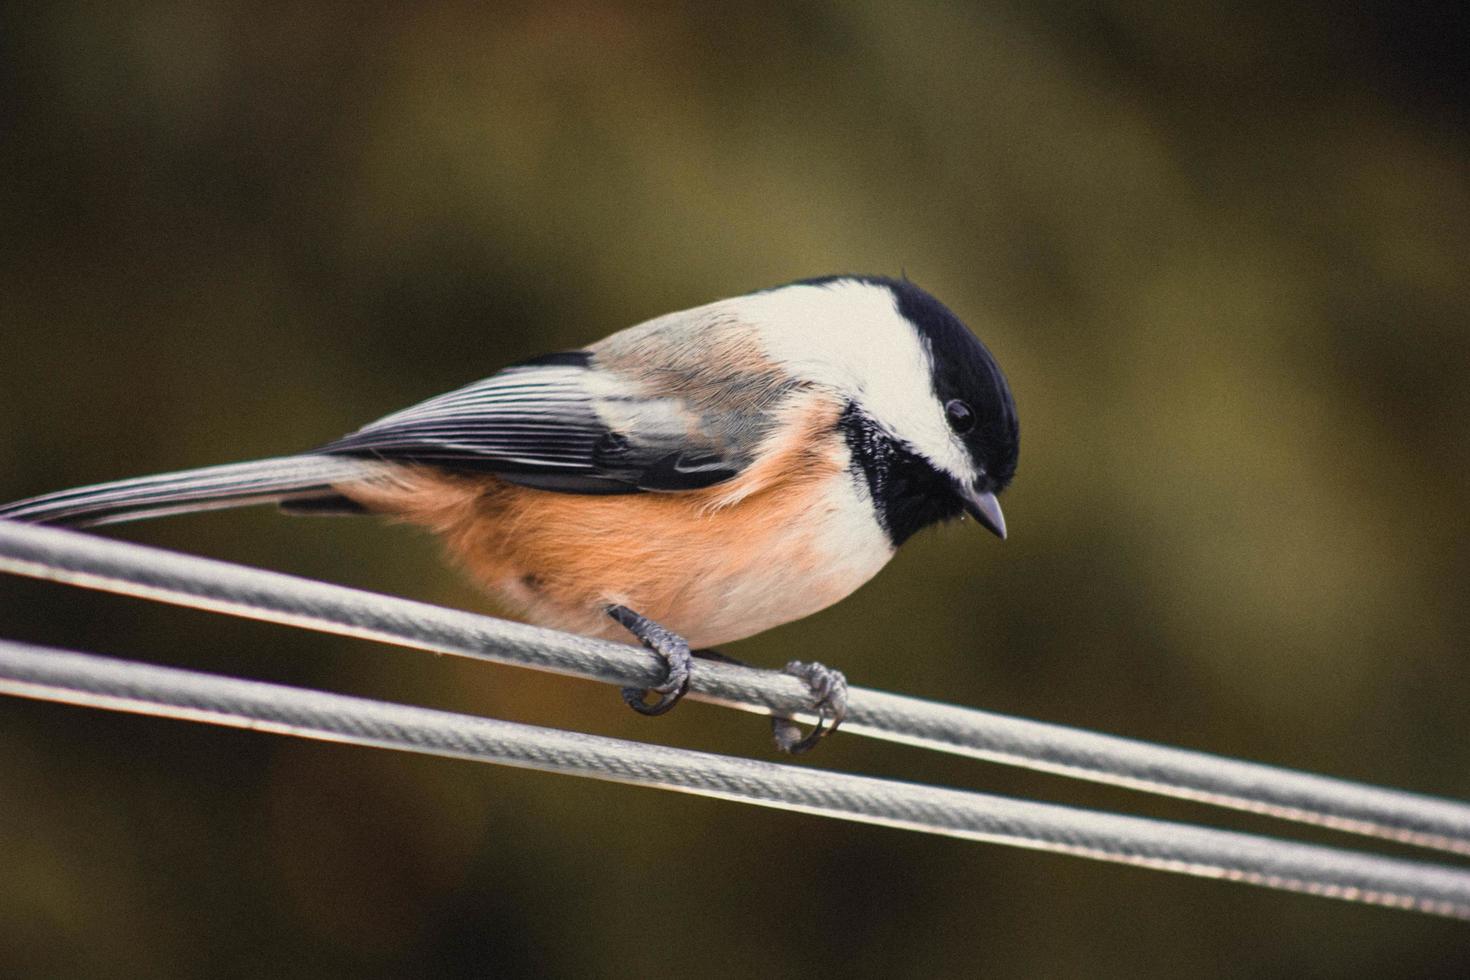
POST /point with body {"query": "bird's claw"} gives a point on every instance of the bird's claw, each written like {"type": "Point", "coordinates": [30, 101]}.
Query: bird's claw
{"type": "Point", "coordinates": [828, 687]}
{"type": "Point", "coordinates": [670, 692]}
{"type": "Point", "coordinates": [829, 701]}
{"type": "Point", "coordinates": [676, 657]}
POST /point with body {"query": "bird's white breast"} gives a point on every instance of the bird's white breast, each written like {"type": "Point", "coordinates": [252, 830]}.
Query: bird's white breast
{"type": "Point", "coordinates": [807, 565]}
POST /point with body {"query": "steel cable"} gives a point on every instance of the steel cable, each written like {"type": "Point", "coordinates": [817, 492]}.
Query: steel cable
{"type": "Point", "coordinates": [83, 679]}
{"type": "Point", "coordinates": [115, 566]}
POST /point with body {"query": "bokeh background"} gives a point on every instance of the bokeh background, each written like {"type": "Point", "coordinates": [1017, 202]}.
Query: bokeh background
{"type": "Point", "coordinates": [1219, 247]}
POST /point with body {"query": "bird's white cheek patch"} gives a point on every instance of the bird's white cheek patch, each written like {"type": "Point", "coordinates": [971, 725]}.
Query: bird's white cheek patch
{"type": "Point", "coordinates": [850, 338]}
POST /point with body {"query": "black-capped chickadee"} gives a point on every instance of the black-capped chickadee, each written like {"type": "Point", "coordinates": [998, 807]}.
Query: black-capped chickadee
{"type": "Point", "coordinates": [695, 479]}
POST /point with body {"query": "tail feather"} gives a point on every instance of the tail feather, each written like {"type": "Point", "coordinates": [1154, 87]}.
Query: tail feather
{"type": "Point", "coordinates": [286, 479]}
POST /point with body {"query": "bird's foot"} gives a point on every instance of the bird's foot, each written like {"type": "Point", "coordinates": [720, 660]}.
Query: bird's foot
{"type": "Point", "coordinates": [668, 645]}
{"type": "Point", "coordinates": [829, 701]}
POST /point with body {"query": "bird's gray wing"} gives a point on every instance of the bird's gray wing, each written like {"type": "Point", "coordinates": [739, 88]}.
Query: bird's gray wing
{"type": "Point", "coordinates": [572, 422]}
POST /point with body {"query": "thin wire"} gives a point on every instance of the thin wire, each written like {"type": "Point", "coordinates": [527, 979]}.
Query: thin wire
{"type": "Point", "coordinates": [99, 682]}
{"type": "Point", "coordinates": [121, 567]}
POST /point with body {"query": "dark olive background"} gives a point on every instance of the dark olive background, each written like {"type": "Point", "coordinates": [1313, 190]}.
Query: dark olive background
{"type": "Point", "coordinates": [1219, 247]}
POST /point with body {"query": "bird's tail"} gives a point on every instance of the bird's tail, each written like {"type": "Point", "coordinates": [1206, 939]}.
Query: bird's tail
{"type": "Point", "coordinates": [302, 483]}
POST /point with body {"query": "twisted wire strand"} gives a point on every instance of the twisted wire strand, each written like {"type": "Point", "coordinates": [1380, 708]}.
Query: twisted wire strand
{"type": "Point", "coordinates": [48, 674]}
{"type": "Point", "coordinates": [121, 567]}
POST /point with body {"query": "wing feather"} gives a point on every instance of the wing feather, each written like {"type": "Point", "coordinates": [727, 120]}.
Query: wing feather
{"type": "Point", "coordinates": [561, 423]}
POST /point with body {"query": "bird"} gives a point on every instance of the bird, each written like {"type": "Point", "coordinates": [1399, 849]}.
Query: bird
{"type": "Point", "coordinates": [685, 483]}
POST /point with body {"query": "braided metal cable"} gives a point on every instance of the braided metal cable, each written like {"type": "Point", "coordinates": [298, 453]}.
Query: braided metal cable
{"type": "Point", "coordinates": [83, 679]}
{"type": "Point", "coordinates": [99, 563]}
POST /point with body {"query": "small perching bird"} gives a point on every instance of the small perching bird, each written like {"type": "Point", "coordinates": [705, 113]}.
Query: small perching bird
{"type": "Point", "coordinates": [694, 480]}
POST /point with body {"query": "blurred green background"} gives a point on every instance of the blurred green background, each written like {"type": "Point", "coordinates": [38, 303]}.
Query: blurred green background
{"type": "Point", "coordinates": [1219, 247]}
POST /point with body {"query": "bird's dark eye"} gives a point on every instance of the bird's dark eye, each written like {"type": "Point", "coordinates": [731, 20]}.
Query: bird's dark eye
{"type": "Point", "coordinates": [961, 416]}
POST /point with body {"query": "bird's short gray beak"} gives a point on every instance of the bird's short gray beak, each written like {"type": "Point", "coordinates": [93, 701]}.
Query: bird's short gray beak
{"type": "Point", "coordinates": [982, 505]}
